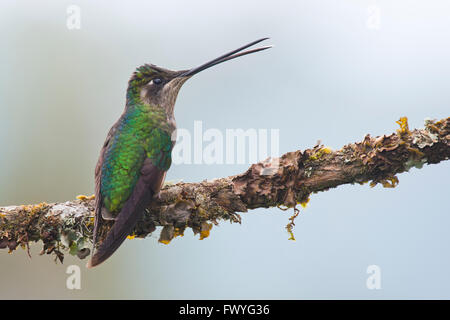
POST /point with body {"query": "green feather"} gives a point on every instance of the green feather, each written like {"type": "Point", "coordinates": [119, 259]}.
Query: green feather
{"type": "Point", "coordinates": [142, 132]}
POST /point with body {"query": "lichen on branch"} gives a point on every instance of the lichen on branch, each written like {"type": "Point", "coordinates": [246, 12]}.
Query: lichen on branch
{"type": "Point", "coordinates": [284, 182]}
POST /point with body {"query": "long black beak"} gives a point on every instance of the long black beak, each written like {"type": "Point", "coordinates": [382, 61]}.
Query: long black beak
{"type": "Point", "coordinates": [228, 56]}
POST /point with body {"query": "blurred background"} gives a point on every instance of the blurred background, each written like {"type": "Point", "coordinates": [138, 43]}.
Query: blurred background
{"type": "Point", "coordinates": [339, 70]}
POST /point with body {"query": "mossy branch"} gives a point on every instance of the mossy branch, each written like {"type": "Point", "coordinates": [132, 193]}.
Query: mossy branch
{"type": "Point", "coordinates": [283, 182]}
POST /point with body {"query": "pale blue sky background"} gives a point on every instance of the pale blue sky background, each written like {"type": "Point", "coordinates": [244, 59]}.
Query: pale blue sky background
{"type": "Point", "coordinates": [329, 77]}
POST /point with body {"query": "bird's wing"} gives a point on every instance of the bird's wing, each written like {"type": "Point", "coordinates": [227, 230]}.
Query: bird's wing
{"type": "Point", "coordinates": [156, 154]}
{"type": "Point", "coordinates": [98, 196]}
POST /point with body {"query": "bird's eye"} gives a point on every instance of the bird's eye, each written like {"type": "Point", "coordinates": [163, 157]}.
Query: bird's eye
{"type": "Point", "coordinates": [157, 81]}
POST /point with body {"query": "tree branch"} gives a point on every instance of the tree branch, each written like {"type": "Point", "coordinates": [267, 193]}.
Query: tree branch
{"type": "Point", "coordinates": [282, 182]}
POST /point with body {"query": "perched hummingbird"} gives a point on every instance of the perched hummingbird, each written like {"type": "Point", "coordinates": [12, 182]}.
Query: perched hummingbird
{"type": "Point", "coordinates": [137, 152]}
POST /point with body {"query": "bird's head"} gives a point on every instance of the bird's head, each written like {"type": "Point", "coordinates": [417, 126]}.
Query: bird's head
{"type": "Point", "coordinates": [158, 86]}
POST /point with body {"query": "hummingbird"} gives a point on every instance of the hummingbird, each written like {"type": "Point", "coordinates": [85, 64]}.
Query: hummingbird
{"type": "Point", "coordinates": [136, 154]}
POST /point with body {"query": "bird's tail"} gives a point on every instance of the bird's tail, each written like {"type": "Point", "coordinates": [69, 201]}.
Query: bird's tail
{"type": "Point", "coordinates": [126, 220]}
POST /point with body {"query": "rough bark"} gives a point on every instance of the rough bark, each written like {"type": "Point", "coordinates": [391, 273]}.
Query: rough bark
{"type": "Point", "coordinates": [284, 182]}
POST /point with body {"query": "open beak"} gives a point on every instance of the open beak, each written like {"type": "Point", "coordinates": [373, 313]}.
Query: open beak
{"type": "Point", "coordinates": [228, 56]}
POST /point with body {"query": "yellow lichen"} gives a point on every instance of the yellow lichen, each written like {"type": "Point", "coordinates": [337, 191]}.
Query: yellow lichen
{"type": "Point", "coordinates": [205, 231]}
{"type": "Point", "coordinates": [83, 197]}
{"type": "Point", "coordinates": [327, 150]}
{"type": "Point", "coordinates": [291, 224]}
{"type": "Point", "coordinates": [390, 182]}
{"type": "Point", "coordinates": [89, 221]}
{"type": "Point", "coordinates": [291, 234]}
{"type": "Point", "coordinates": [403, 123]}
{"type": "Point", "coordinates": [33, 209]}
{"type": "Point", "coordinates": [164, 241]}
{"type": "Point", "coordinates": [304, 203]}
{"type": "Point", "coordinates": [204, 234]}
{"type": "Point", "coordinates": [131, 236]}
{"type": "Point", "coordinates": [320, 153]}
{"type": "Point", "coordinates": [178, 232]}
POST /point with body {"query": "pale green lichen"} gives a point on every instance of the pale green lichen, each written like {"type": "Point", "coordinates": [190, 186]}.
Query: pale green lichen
{"type": "Point", "coordinates": [423, 140]}
{"type": "Point", "coordinates": [415, 163]}
{"type": "Point", "coordinates": [308, 172]}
